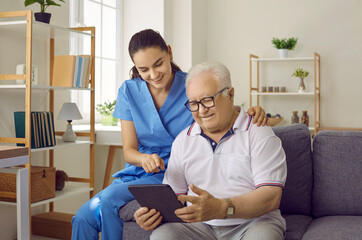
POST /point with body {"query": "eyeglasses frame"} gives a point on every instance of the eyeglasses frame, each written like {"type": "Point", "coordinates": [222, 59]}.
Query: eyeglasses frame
{"type": "Point", "coordinates": [200, 102]}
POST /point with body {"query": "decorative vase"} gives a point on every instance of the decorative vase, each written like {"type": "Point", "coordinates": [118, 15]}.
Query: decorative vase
{"type": "Point", "coordinates": [295, 118]}
{"type": "Point", "coordinates": [305, 118]}
{"type": "Point", "coordinates": [301, 87]}
{"type": "Point", "coordinates": [109, 120]}
{"type": "Point", "coordinates": [283, 53]}
{"type": "Point", "coordinates": [42, 17]}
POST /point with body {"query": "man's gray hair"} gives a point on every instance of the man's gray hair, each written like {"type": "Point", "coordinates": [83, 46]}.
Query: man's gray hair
{"type": "Point", "coordinates": [219, 70]}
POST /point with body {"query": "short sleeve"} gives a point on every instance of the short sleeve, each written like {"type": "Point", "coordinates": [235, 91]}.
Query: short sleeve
{"type": "Point", "coordinates": [175, 175]}
{"type": "Point", "coordinates": [122, 109]}
{"type": "Point", "coordinates": [267, 157]}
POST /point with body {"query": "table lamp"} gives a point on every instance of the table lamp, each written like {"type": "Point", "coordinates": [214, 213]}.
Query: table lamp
{"type": "Point", "coordinates": [69, 112]}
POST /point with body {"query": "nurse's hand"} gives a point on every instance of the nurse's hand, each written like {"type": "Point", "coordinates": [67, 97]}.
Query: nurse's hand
{"type": "Point", "coordinates": [259, 115]}
{"type": "Point", "coordinates": [148, 220]}
{"type": "Point", "coordinates": [152, 163]}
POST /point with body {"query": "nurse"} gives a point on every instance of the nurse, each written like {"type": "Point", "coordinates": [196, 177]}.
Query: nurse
{"type": "Point", "coordinates": [152, 112]}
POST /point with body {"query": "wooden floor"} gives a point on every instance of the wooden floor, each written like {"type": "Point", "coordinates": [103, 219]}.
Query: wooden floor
{"type": "Point", "coordinates": [36, 237]}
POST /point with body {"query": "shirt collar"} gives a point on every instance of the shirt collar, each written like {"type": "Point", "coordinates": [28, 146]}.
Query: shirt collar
{"type": "Point", "coordinates": [242, 123]}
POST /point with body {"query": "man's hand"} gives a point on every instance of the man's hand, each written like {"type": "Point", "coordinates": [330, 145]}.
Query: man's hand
{"type": "Point", "coordinates": [204, 207]}
{"type": "Point", "coordinates": [152, 163]}
{"type": "Point", "coordinates": [148, 220]}
{"type": "Point", "coordinates": [259, 115]}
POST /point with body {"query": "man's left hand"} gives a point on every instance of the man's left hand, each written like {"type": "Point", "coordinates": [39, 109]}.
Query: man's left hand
{"type": "Point", "coordinates": [204, 206]}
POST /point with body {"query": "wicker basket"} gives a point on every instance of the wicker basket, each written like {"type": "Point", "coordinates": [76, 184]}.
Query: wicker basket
{"type": "Point", "coordinates": [274, 121]}
{"type": "Point", "coordinates": [42, 184]}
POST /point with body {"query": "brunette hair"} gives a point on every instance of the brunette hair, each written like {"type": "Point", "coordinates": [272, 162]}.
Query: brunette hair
{"type": "Point", "coordinates": [145, 39]}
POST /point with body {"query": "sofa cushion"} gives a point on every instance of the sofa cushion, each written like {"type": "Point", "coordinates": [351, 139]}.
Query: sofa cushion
{"type": "Point", "coordinates": [131, 231]}
{"type": "Point", "coordinates": [335, 228]}
{"type": "Point", "coordinates": [337, 159]}
{"type": "Point", "coordinates": [297, 193]}
{"type": "Point", "coordinates": [296, 226]}
{"type": "Point", "coordinates": [127, 211]}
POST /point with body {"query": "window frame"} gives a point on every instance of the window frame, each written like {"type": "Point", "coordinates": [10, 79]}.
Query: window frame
{"type": "Point", "coordinates": [76, 19]}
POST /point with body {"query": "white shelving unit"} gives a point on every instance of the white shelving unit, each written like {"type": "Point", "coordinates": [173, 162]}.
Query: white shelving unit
{"type": "Point", "coordinates": [39, 87]}
{"type": "Point", "coordinates": [267, 97]}
{"type": "Point", "coordinates": [70, 189]}
{"type": "Point", "coordinates": [48, 32]}
{"type": "Point", "coordinates": [281, 94]}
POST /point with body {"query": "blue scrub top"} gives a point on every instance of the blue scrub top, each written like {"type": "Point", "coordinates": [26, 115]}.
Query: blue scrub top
{"type": "Point", "coordinates": [156, 130]}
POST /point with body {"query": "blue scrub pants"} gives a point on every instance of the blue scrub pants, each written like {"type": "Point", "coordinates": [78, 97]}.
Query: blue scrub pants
{"type": "Point", "coordinates": [101, 213]}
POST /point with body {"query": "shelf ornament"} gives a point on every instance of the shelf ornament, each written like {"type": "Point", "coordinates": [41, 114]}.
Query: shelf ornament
{"type": "Point", "coordinates": [42, 16]}
{"type": "Point", "coordinates": [284, 45]}
{"type": "Point", "coordinates": [69, 112]}
{"type": "Point", "coordinates": [301, 73]}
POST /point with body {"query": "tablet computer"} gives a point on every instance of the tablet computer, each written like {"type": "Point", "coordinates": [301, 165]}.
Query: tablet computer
{"type": "Point", "coordinates": [158, 196]}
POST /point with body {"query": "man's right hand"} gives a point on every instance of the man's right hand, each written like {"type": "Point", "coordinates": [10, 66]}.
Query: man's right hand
{"type": "Point", "coordinates": [152, 163]}
{"type": "Point", "coordinates": [148, 220]}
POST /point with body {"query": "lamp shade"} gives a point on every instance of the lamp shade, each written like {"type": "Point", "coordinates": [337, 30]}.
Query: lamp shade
{"type": "Point", "coordinates": [69, 111]}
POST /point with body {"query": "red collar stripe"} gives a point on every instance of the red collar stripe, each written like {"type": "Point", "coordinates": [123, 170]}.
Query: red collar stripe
{"type": "Point", "coordinates": [249, 122]}
{"type": "Point", "coordinates": [190, 129]}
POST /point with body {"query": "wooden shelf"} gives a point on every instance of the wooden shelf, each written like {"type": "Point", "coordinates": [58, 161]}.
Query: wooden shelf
{"type": "Point", "coordinates": [61, 144]}
{"type": "Point", "coordinates": [39, 87]}
{"type": "Point", "coordinates": [42, 30]}
{"type": "Point", "coordinates": [282, 94]}
{"type": "Point", "coordinates": [282, 59]}
{"type": "Point", "coordinates": [70, 189]}
{"type": "Point", "coordinates": [255, 94]}
{"type": "Point", "coordinates": [28, 29]}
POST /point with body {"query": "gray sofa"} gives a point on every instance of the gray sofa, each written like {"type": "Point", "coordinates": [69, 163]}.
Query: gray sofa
{"type": "Point", "coordinates": [322, 198]}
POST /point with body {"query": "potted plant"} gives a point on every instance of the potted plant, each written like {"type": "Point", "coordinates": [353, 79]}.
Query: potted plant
{"type": "Point", "coordinates": [284, 45]}
{"type": "Point", "coordinates": [301, 73]}
{"type": "Point", "coordinates": [106, 110]}
{"type": "Point", "coordinates": [42, 16]}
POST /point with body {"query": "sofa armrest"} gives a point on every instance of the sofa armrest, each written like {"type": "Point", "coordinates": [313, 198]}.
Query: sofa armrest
{"type": "Point", "coordinates": [127, 211]}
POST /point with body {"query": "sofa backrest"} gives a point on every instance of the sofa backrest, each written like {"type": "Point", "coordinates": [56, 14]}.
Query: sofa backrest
{"type": "Point", "coordinates": [297, 193]}
{"type": "Point", "coordinates": [337, 160]}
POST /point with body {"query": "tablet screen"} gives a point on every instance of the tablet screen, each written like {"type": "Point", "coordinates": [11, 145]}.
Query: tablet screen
{"type": "Point", "coordinates": [158, 196]}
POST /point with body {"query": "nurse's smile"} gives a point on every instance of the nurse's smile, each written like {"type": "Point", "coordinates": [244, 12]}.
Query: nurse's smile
{"type": "Point", "coordinates": [158, 80]}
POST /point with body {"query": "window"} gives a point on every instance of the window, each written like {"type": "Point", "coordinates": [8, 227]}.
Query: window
{"type": "Point", "coordinates": [105, 15]}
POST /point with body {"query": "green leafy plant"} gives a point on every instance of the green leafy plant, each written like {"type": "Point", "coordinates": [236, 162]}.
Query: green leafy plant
{"type": "Point", "coordinates": [300, 72]}
{"type": "Point", "coordinates": [284, 43]}
{"type": "Point", "coordinates": [44, 4]}
{"type": "Point", "coordinates": [106, 108]}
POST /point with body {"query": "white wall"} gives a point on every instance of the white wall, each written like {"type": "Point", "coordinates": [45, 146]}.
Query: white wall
{"type": "Point", "coordinates": [181, 23]}
{"type": "Point", "coordinates": [139, 15]}
{"type": "Point", "coordinates": [332, 28]}
{"type": "Point", "coordinates": [178, 35]}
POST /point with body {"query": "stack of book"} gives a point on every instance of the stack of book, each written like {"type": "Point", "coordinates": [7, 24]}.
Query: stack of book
{"type": "Point", "coordinates": [42, 128]}
{"type": "Point", "coordinates": [72, 71]}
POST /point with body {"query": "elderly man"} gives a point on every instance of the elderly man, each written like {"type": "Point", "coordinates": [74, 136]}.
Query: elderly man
{"type": "Point", "coordinates": [230, 172]}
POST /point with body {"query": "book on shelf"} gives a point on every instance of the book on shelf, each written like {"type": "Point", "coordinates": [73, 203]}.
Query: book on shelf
{"type": "Point", "coordinates": [42, 128]}
{"type": "Point", "coordinates": [87, 70]}
{"type": "Point", "coordinates": [80, 64]}
{"type": "Point", "coordinates": [63, 70]}
{"type": "Point", "coordinates": [71, 71]}
{"type": "Point", "coordinates": [75, 75]}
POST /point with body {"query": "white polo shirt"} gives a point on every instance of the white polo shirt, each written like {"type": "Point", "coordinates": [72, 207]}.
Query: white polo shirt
{"type": "Point", "coordinates": [250, 157]}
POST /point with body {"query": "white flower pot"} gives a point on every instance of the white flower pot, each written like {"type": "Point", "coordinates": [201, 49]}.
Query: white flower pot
{"type": "Point", "coordinates": [283, 53]}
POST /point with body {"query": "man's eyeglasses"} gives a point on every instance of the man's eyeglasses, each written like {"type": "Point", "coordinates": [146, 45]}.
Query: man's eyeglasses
{"type": "Point", "coordinates": [206, 102]}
